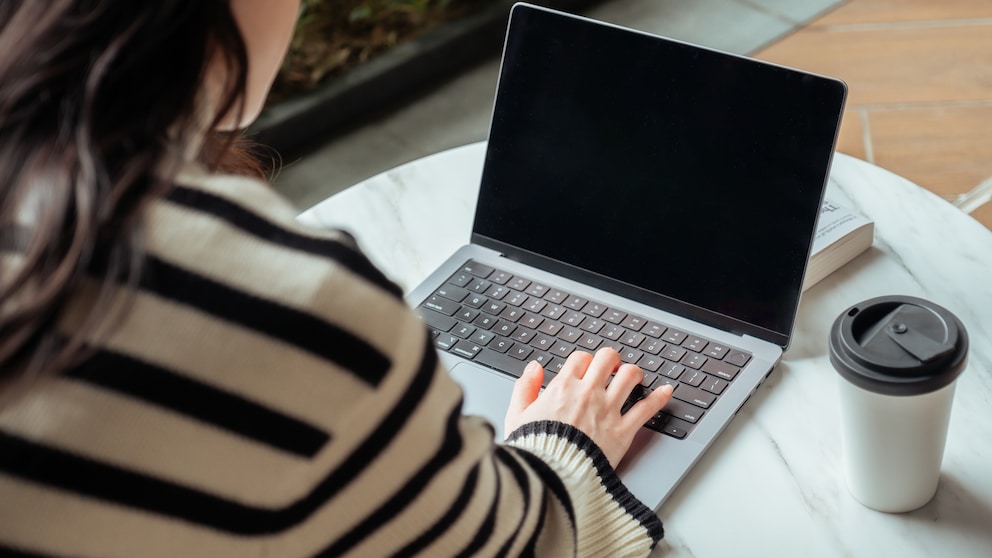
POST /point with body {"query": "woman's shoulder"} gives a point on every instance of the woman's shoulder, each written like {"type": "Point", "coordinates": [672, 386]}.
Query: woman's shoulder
{"type": "Point", "coordinates": [237, 226]}
{"type": "Point", "coordinates": [244, 198]}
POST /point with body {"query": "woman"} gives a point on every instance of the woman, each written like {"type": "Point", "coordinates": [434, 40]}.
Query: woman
{"type": "Point", "coordinates": [186, 371]}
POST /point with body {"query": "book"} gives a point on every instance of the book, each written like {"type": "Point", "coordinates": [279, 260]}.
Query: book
{"type": "Point", "coordinates": [841, 234]}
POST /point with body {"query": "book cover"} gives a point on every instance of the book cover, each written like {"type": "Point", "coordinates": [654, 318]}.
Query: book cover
{"type": "Point", "coordinates": [841, 234]}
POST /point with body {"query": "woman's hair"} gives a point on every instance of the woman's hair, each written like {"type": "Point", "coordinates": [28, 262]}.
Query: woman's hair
{"type": "Point", "coordinates": [100, 101]}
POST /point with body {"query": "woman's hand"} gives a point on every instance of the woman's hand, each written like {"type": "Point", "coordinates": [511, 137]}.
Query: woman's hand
{"type": "Point", "coordinates": [580, 396]}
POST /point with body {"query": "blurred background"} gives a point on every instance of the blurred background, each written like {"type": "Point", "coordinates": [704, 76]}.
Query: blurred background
{"type": "Point", "coordinates": [372, 84]}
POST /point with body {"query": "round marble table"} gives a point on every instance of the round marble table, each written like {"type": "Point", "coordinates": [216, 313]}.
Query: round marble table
{"type": "Point", "coordinates": [772, 484]}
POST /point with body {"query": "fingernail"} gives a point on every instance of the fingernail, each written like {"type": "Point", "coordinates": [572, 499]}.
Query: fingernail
{"type": "Point", "coordinates": [668, 388]}
{"type": "Point", "coordinates": [531, 367]}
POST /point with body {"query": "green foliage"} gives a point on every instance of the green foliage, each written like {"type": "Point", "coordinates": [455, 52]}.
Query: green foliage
{"type": "Point", "coordinates": [334, 35]}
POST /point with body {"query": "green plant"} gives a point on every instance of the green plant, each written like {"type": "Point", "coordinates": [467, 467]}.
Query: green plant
{"type": "Point", "coordinates": [335, 35]}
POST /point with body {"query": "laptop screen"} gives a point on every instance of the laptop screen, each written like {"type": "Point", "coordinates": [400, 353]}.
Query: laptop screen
{"type": "Point", "coordinates": [687, 177]}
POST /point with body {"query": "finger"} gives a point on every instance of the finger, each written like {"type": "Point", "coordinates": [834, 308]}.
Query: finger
{"type": "Point", "coordinates": [643, 410]}
{"type": "Point", "coordinates": [603, 365]}
{"type": "Point", "coordinates": [525, 392]}
{"type": "Point", "coordinates": [623, 382]}
{"type": "Point", "coordinates": [576, 364]}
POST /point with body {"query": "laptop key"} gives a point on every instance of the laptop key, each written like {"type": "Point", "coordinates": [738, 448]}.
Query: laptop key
{"type": "Point", "coordinates": [672, 370]}
{"type": "Point", "coordinates": [554, 311]}
{"type": "Point", "coordinates": [674, 336]}
{"type": "Point", "coordinates": [536, 289]}
{"type": "Point", "coordinates": [575, 302]}
{"type": "Point", "coordinates": [497, 292]}
{"type": "Point", "coordinates": [594, 309]}
{"type": "Point", "coordinates": [499, 277]}
{"type": "Point", "coordinates": [614, 316]}
{"type": "Point", "coordinates": [532, 321]}
{"type": "Point", "coordinates": [446, 341]}
{"type": "Point", "coordinates": [543, 342]}
{"type": "Point", "coordinates": [505, 328]}
{"type": "Point", "coordinates": [477, 269]}
{"type": "Point", "coordinates": [695, 396]}
{"type": "Point", "coordinates": [720, 369]}
{"type": "Point", "coordinates": [442, 305]}
{"type": "Point", "coordinates": [482, 337]}
{"type": "Point", "coordinates": [572, 318]}
{"type": "Point", "coordinates": [493, 307]}
{"type": "Point", "coordinates": [630, 355]}
{"type": "Point", "coordinates": [670, 425]}
{"type": "Point", "coordinates": [715, 351]}
{"type": "Point", "coordinates": [535, 304]}
{"type": "Point", "coordinates": [693, 378]}
{"type": "Point", "coordinates": [501, 362]}
{"type": "Point", "coordinates": [570, 334]}
{"type": "Point", "coordinates": [512, 313]}
{"type": "Point", "coordinates": [632, 339]}
{"type": "Point", "coordinates": [592, 325]}
{"type": "Point", "coordinates": [523, 335]}
{"type": "Point", "coordinates": [437, 321]}
{"type": "Point", "coordinates": [653, 330]}
{"type": "Point", "coordinates": [479, 286]}
{"type": "Point", "coordinates": [467, 314]}
{"type": "Point", "coordinates": [612, 332]}
{"type": "Point", "coordinates": [714, 385]}
{"type": "Point", "coordinates": [551, 328]}
{"type": "Point", "coordinates": [518, 283]}
{"type": "Point", "coordinates": [516, 298]}
{"type": "Point", "coordinates": [673, 353]}
{"type": "Point", "coordinates": [461, 279]}
{"type": "Point", "coordinates": [466, 348]}
{"type": "Point", "coordinates": [520, 351]}
{"type": "Point", "coordinates": [650, 363]}
{"type": "Point", "coordinates": [485, 321]}
{"type": "Point", "coordinates": [556, 296]}
{"type": "Point", "coordinates": [542, 358]}
{"type": "Point", "coordinates": [500, 344]}
{"type": "Point", "coordinates": [653, 346]}
{"type": "Point", "coordinates": [463, 330]}
{"type": "Point", "coordinates": [695, 344]}
{"type": "Point", "coordinates": [694, 360]}
{"type": "Point", "coordinates": [634, 322]}
{"type": "Point", "coordinates": [737, 358]}
{"type": "Point", "coordinates": [562, 349]}
{"type": "Point", "coordinates": [452, 292]}
{"type": "Point", "coordinates": [682, 410]}
{"type": "Point", "coordinates": [589, 342]}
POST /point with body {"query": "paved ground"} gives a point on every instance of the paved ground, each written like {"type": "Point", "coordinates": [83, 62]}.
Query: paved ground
{"type": "Point", "coordinates": [457, 112]}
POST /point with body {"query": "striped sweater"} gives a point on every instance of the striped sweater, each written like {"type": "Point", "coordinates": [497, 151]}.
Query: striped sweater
{"type": "Point", "coordinates": [265, 391]}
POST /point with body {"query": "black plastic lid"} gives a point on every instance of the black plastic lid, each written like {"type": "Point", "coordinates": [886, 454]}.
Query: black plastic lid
{"type": "Point", "coordinates": [898, 345]}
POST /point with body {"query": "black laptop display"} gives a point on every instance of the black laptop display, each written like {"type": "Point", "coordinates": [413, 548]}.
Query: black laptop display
{"type": "Point", "coordinates": [691, 178]}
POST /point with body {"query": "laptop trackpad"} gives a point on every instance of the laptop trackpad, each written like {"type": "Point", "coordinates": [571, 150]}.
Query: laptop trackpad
{"type": "Point", "coordinates": [487, 393]}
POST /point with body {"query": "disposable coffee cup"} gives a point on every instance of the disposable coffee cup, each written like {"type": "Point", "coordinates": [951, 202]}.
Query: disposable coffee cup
{"type": "Point", "coordinates": [898, 358]}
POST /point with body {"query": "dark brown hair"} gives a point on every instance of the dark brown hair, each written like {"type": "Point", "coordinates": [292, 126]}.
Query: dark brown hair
{"type": "Point", "coordinates": [97, 97]}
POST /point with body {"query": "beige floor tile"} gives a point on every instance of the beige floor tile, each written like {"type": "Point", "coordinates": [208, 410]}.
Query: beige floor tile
{"type": "Point", "coordinates": [947, 150]}
{"type": "Point", "coordinates": [984, 215]}
{"type": "Point", "coordinates": [919, 65]}
{"type": "Point", "coordinates": [850, 140]}
{"type": "Point", "coordinates": [895, 11]}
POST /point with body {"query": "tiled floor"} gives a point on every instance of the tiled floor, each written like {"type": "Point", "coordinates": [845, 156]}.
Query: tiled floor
{"type": "Point", "coordinates": [920, 99]}
{"type": "Point", "coordinates": [919, 71]}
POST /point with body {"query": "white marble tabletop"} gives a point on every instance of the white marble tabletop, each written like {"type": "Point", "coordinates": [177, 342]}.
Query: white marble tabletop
{"type": "Point", "coordinates": [772, 485]}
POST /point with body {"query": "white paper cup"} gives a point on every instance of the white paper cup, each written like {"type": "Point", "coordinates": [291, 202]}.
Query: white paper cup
{"type": "Point", "coordinates": [898, 359]}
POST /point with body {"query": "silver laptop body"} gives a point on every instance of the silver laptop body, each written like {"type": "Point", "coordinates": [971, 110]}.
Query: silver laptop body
{"type": "Point", "coordinates": [673, 184]}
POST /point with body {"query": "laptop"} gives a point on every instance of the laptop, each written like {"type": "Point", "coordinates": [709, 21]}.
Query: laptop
{"type": "Point", "coordinates": [642, 193]}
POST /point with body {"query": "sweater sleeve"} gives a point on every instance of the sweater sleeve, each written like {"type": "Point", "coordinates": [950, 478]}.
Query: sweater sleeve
{"type": "Point", "coordinates": [263, 390]}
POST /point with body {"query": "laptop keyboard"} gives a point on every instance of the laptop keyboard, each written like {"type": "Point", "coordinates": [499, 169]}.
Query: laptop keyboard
{"type": "Point", "coordinates": [504, 321]}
